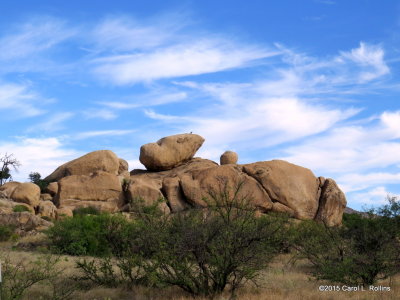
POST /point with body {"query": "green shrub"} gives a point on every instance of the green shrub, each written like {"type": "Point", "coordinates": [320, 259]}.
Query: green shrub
{"type": "Point", "coordinates": [205, 251]}
{"type": "Point", "coordinates": [6, 232]}
{"type": "Point", "coordinates": [20, 208]}
{"type": "Point", "coordinates": [362, 251]}
{"type": "Point", "coordinates": [96, 235]}
{"type": "Point", "coordinates": [90, 210]}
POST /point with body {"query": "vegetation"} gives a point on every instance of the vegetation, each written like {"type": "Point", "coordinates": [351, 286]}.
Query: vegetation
{"type": "Point", "coordinates": [20, 208]}
{"type": "Point", "coordinates": [81, 211]}
{"type": "Point", "coordinates": [362, 251]}
{"type": "Point", "coordinates": [6, 232]}
{"type": "Point", "coordinates": [95, 235]}
{"type": "Point", "coordinates": [35, 178]}
{"type": "Point", "coordinates": [6, 162]}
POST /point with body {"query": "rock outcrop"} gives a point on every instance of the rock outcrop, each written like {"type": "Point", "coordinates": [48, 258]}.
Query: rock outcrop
{"type": "Point", "coordinates": [101, 190]}
{"type": "Point", "coordinates": [101, 179]}
{"type": "Point", "coordinates": [332, 203]}
{"type": "Point", "coordinates": [293, 186]}
{"type": "Point", "coordinates": [101, 160]}
{"type": "Point", "coordinates": [170, 151]}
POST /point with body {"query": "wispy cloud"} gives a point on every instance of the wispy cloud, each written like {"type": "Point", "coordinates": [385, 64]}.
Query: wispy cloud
{"type": "Point", "coordinates": [53, 123]}
{"type": "Point", "coordinates": [20, 99]}
{"type": "Point", "coordinates": [97, 133]}
{"type": "Point", "coordinates": [199, 57]}
{"type": "Point", "coordinates": [105, 114]}
{"type": "Point", "coordinates": [25, 47]}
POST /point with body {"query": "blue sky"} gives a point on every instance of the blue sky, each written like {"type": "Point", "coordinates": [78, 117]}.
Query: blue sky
{"type": "Point", "coordinates": [314, 82]}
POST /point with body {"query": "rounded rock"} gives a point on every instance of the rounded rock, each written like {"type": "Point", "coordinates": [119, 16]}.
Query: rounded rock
{"type": "Point", "coordinates": [228, 157]}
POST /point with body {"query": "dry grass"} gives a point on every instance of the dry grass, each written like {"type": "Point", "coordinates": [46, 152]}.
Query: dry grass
{"type": "Point", "coordinates": [281, 281]}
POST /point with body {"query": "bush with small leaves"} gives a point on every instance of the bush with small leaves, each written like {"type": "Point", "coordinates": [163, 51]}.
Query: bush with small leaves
{"type": "Point", "coordinates": [6, 232]}
{"type": "Point", "coordinates": [20, 208]}
{"type": "Point", "coordinates": [362, 251]}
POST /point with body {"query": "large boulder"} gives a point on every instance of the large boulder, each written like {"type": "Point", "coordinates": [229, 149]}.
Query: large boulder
{"type": "Point", "coordinates": [170, 151]}
{"type": "Point", "coordinates": [28, 193]}
{"type": "Point", "coordinates": [228, 157]}
{"type": "Point", "coordinates": [101, 189]}
{"type": "Point", "coordinates": [101, 160]}
{"type": "Point", "coordinates": [291, 185]}
{"type": "Point", "coordinates": [211, 182]}
{"type": "Point", "coordinates": [8, 188]}
{"type": "Point", "coordinates": [47, 209]}
{"type": "Point", "coordinates": [331, 204]}
{"type": "Point", "coordinates": [147, 190]}
{"type": "Point", "coordinates": [52, 188]}
{"type": "Point", "coordinates": [173, 192]}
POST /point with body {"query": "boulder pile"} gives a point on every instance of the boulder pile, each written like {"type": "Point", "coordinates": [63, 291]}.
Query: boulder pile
{"type": "Point", "coordinates": [102, 180]}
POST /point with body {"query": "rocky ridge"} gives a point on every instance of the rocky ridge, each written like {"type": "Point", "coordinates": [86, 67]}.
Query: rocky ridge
{"type": "Point", "coordinates": [102, 180]}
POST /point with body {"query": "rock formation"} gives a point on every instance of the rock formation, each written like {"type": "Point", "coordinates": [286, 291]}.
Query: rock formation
{"type": "Point", "coordinates": [170, 151]}
{"type": "Point", "coordinates": [101, 179]}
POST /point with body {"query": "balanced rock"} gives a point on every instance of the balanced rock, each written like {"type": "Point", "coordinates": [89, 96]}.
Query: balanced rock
{"type": "Point", "coordinates": [228, 157]}
{"type": "Point", "coordinates": [101, 190]}
{"type": "Point", "coordinates": [331, 204]}
{"type": "Point", "coordinates": [28, 193]}
{"type": "Point", "coordinates": [101, 160]}
{"type": "Point", "coordinates": [170, 151]}
{"type": "Point", "coordinates": [291, 185]}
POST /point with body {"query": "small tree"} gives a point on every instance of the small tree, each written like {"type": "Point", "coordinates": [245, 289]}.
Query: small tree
{"type": "Point", "coordinates": [6, 162]}
{"type": "Point", "coordinates": [36, 178]}
{"type": "Point", "coordinates": [206, 251]}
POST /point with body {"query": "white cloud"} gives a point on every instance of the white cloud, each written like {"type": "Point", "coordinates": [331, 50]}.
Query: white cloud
{"type": "Point", "coordinates": [122, 33]}
{"type": "Point", "coordinates": [369, 57]}
{"type": "Point", "coordinates": [90, 134]}
{"type": "Point", "coordinates": [200, 57]}
{"type": "Point", "coordinates": [37, 155]}
{"type": "Point", "coordinates": [373, 197]}
{"type": "Point", "coordinates": [53, 123]}
{"type": "Point", "coordinates": [20, 99]}
{"type": "Point", "coordinates": [104, 114]}
{"type": "Point", "coordinates": [152, 99]}
{"type": "Point", "coordinates": [359, 181]}
{"type": "Point", "coordinates": [26, 47]}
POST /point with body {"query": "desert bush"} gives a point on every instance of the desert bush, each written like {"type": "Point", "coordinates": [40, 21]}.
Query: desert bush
{"type": "Point", "coordinates": [19, 277]}
{"type": "Point", "coordinates": [6, 232]}
{"type": "Point", "coordinates": [20, 208]}
{"type": "Point", "coordinates": [96, 235]}
{"type": "Point", "coordinates": [362, 251]}
{"type": "Point", "coordinates": [90, 210]}
{"type": "Point", "coordinates": [205, 251]}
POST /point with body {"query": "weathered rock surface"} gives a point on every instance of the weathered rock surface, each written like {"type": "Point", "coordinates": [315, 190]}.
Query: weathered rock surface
{"type": "Point", "coordinates": [170, 151]}
{"type": "Point", "coordinates": [46, 197]}
{"type": "Point", "coordinates": [291, 185]}
{"type": "Point", "coordinates": [203, 183]}
{"type": "Point", "coordinates": [52, 188]}
{"type": "Point", "coordinates": [102, 190]}
{"type": "Point", "coordinates": [331, 204]}
{"type": "Point", "coordinates": [101, 160]}
{"type": "Point", "coordinates": [228, 157]}
{"type": "Point", "coordinates": [28, 193]}
{"type": "Point", "coordinates": [9, 187]}
{"type": "Point", "coordinates": [24, 221]}
{"type": "Point", "coordinates": [47, 209]}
